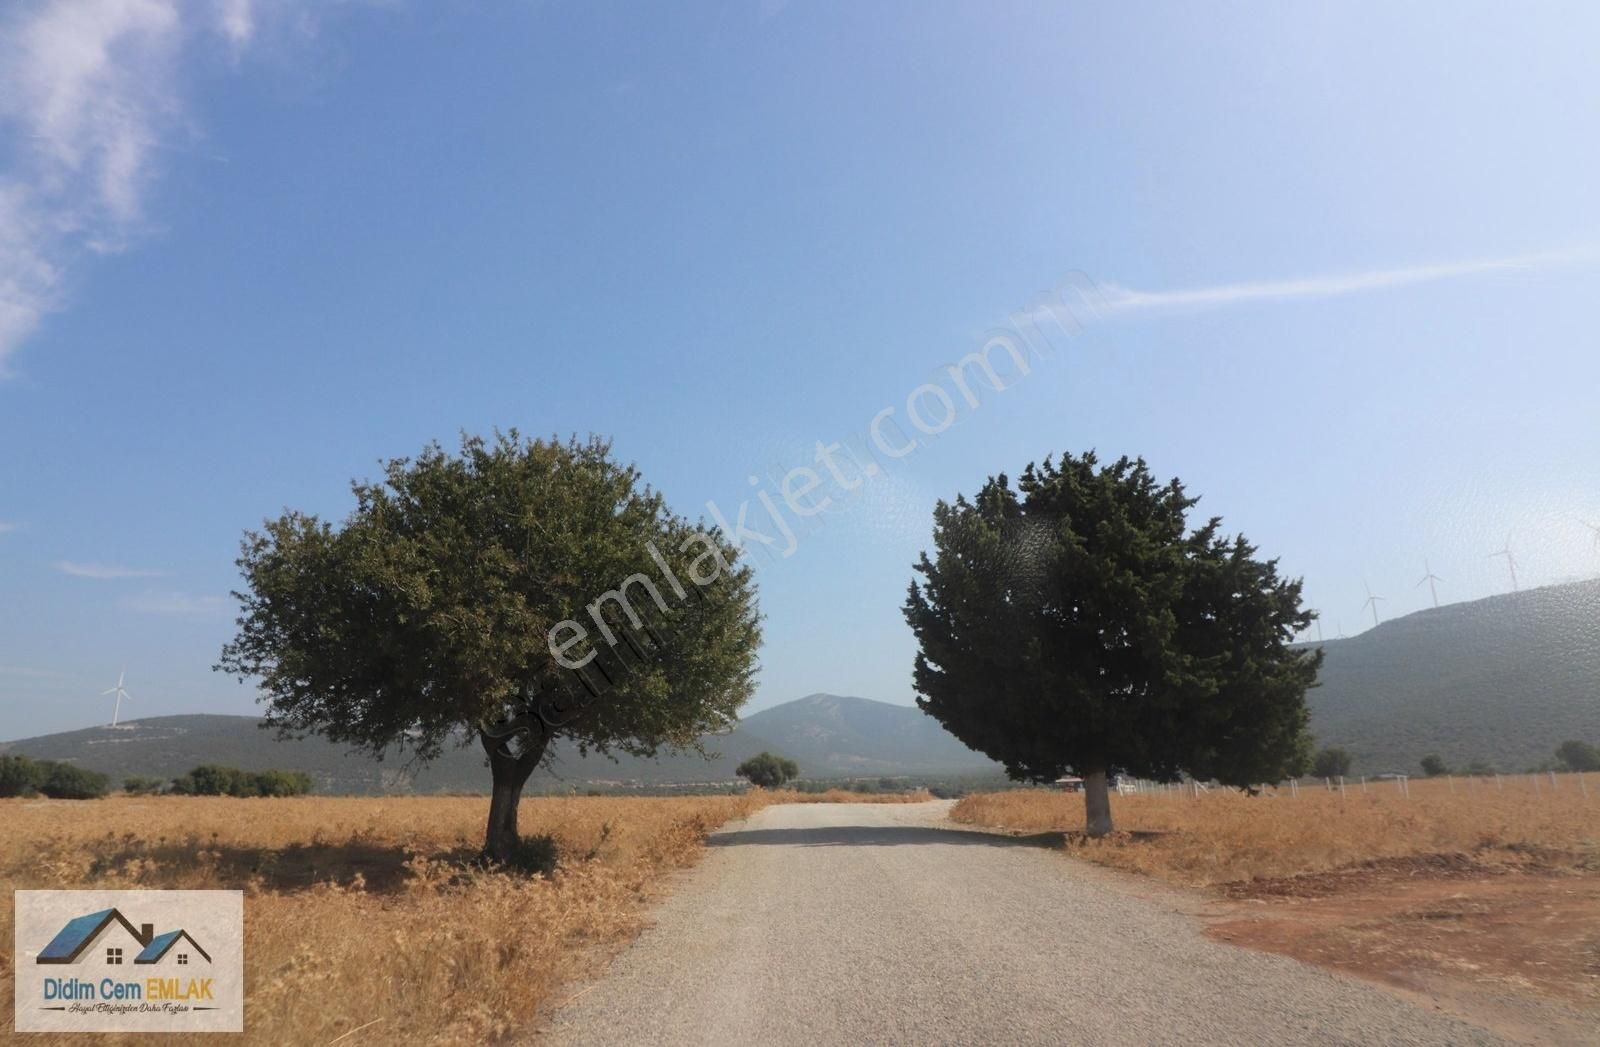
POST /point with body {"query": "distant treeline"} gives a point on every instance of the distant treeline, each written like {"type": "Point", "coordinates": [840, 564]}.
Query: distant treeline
{"type": "Point", "coordinates": [22, 776]}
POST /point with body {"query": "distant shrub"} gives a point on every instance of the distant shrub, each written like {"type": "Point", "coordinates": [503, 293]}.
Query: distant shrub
{"type": "Point", "coordinates": [1578, 756]}
{"type": "Point", "coordinates": [281, 783]}
{"type": "Point", "coordinates": [141, 785]}
{"type": "Point", "coordinates": [1433, 766]}
{"type": "Point", "coordinates": [1331, 762]}
{"type": "Point", "coordinates": [20, 776]}
{"type": "Point", "coordinates": [767, 771]}
{"type": "Point", "coordinates": [65, 781]}
{"type": "Point", "coordinates": [214, 779]}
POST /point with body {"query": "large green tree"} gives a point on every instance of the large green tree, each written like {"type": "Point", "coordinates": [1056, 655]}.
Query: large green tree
{"type": "Point", "coordinates": [514, 594]}
{"type": "Point", "coordinates": [1076, 623]}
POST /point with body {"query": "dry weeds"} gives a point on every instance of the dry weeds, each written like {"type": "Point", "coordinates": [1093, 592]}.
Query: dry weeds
{"type": "Point", "coordinates": [1223, 835]}
{"type": "Point", "coordinates": [362, 914]}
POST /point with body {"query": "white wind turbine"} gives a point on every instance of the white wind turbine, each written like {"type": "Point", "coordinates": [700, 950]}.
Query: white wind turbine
{"type": "Point", "coordinates": [1372, 602]}
{"type": "Point", "coordinates": [1429, 579]}
{"type": "Point", "coordinates": [1511, 560]}
{"type": "Point", "coordinates": [1596, 529]}
{"type": "Point", "coordinates": [121, 692]}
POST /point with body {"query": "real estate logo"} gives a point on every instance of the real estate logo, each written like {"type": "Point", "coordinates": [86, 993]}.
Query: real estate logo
{"type": "Point", "coordinates": [129, 961]}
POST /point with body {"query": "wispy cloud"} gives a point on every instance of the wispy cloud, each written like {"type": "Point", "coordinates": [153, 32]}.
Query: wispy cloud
{"type": "Point", "coordinates": [90, 95]}
{"type": "Point", "coordinates": [7, 528]}
{"type": "Point", "coordinates": [103, 572]}
{"type": "Point", "coordinates": [1113, 297]}
{"type": "Point", "coordinates": [185, 604]}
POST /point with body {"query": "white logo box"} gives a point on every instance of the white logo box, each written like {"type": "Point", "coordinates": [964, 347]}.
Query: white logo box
{"type": "Point", "coordinates": [129, 961]}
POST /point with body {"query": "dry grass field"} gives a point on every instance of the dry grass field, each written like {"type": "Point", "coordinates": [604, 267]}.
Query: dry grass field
{"type": "Point", "coordinates": [1223, 836]}
{"type": "Point", "coordinates": [1481, 897]}
{"type": "Point", "coordinates": [361, 912]}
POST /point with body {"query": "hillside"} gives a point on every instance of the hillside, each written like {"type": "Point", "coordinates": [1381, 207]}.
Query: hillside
{"type": "Point", "coordinates": [833, 735]}
{"type": "Point", "coordinates": [828, 736]}
{"type": "Point", "coordinates": [1505, 679]}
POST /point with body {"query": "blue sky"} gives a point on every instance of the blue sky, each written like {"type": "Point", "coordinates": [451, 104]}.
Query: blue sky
{"type": "Point", "coordinates": [248, 250]}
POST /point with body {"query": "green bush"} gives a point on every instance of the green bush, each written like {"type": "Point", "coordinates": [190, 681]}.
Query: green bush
{"type": "Point", "coordinates": [281, 783]}
{"type": "Point", "coordinates": [1433, 766]}
{"type": "Point", "coordinates": [213, 779]}
{"type": "Point", "coordinates": [767, 771]}
{"type": "Point", "coordinates": [1332, 762]}
{"type": "Point", "coordinates": [20, 776]}
{"type": "Point", "coordinates": [1578, 756]}
{"type": "Point", "coordinates": [64, 781]}
{"type": "Point", "coordinates": [141, 785]}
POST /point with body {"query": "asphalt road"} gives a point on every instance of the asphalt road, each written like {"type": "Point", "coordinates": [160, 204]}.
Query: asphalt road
{"type": "Point", "coordinates": [857, 924]}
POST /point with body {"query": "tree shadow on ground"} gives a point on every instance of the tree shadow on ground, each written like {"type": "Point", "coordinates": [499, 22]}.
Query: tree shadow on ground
{"type": "Point", "coordinates": [878, 836]}
{"type": "Point", "coordinates": [380, 867]}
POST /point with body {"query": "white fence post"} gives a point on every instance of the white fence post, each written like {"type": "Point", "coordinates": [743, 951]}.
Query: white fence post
{"type": "Point", "coordinates": [1341, 787]}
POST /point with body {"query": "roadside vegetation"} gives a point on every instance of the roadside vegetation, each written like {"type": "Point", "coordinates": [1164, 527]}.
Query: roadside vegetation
{"type": "Point", "coordinates": [357, 903]}
{"type": "Point", "coordinates": [1223, 836]}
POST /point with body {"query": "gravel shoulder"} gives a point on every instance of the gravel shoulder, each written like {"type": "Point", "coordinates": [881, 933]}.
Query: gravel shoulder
{"type": "Point", "coordinates": [815, 924]}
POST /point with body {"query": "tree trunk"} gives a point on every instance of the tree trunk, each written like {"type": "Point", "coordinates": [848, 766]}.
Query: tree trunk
{"type": "Point", "coordinates": [510, 774]}
{"type": "Point", "coordinates": [1096, 804]}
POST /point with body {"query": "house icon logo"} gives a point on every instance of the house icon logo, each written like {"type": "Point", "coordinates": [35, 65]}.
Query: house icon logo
{"type": "Point", "coordinates": [108, 936]}
{"type": "Point", "coordinates": [142, 961]}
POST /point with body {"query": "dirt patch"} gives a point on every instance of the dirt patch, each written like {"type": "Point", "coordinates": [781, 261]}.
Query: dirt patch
{"type": "Point", "coordinates": [1509, 940]}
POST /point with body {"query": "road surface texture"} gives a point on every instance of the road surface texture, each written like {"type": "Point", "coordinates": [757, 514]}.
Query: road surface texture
{"type": "Point", "coordinates": [856, 924]}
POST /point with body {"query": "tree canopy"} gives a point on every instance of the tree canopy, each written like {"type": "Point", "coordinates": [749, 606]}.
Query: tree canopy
{"type": "Point", "coordinates": [1075, 623]}
{"type": "Point", "coordinates": [768, 771]}
{"type": "Point", "coordinates": [511, 593]}
{"type": "Point", "coordinates": [1332, 762]}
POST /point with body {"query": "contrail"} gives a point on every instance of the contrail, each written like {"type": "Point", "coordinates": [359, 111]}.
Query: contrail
{"type": "Point", "coordinates": [1114, 297]}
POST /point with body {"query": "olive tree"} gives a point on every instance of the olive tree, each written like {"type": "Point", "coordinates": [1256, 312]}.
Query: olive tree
{"type": "Point", "coordinates": [517, 594]}
{"type": "Point", "coordinates": [768, 771]}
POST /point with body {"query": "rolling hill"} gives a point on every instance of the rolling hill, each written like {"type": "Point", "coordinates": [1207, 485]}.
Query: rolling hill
{"type": "Point", "coordinates": [1504, 679]}
{"type": "Point", "coordinates": [828, 735]}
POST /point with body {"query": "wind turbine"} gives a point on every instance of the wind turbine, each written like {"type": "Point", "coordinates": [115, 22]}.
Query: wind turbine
{"type": "Point", "coordinates": [1596, 529]}
{"type": "Point", "coordinates": [1429, 579]}
{"type": "Point", "coordinates": [121, 692]}
{"type": "Point", "coordinates": [1372, 602]}
{"type": "Point", "coordinates": [1511, 560]}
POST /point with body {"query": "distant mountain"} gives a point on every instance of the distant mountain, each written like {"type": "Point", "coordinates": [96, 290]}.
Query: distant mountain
{"type": "Point", "coordinates": [826, 735]}
{"type": "Point", "coordinates": [832, 735]}
{"type": "Point", "coordinates": [1505, 679]}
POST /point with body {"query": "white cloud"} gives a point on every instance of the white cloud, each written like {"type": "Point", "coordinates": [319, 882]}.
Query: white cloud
{"type": "Point", "coordinates": [89, 94]}
{"type": "Point", "coordinates": [178, 604]}
{"type": "Point", "coordinates": [1114, 297]}
{"type": "Point", "coordinates": [7, 528]}
{"type": "Point", "coordinates": [103, 572]}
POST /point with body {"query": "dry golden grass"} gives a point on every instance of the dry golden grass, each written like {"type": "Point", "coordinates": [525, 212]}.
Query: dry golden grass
{"type": "Point", "coordinates": [362, 912]}
{"type": "Point", "coordinates": [1224, 836]}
